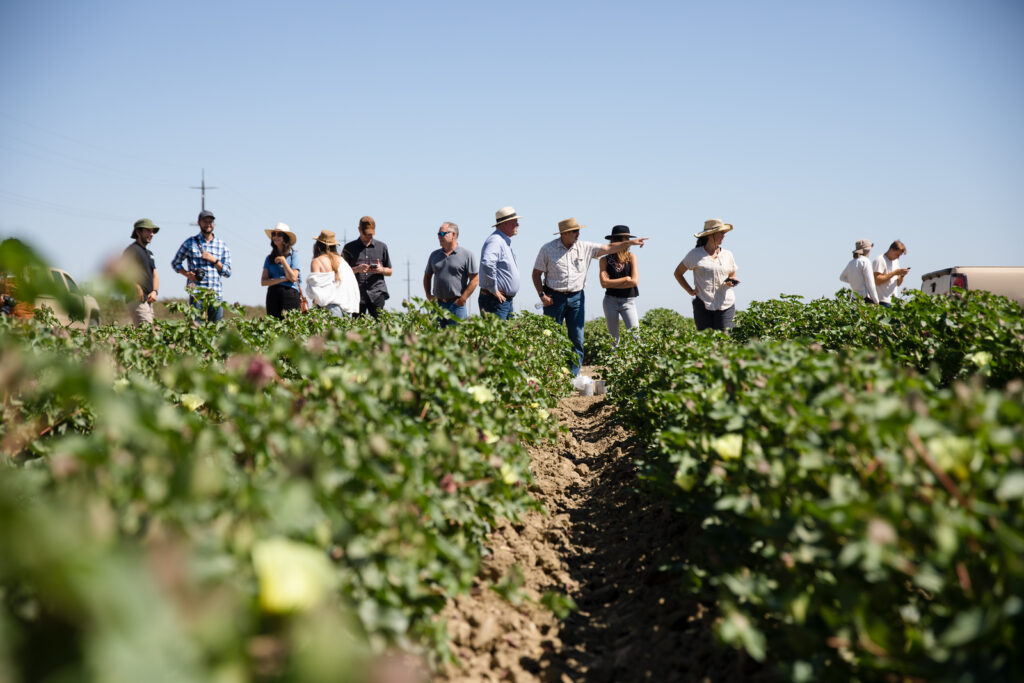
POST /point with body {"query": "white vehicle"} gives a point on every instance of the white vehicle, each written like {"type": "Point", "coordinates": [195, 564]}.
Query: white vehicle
{"type": "Point", "coordinates": [1005, 280]}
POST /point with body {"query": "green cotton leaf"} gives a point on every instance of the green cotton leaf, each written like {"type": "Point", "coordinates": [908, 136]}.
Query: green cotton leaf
{"type": "Point", "coordinates": [1012, 486]}
{"type": "Point", "coordinates": [965, 627]}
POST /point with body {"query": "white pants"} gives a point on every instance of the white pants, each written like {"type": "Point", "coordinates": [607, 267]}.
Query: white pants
{"type": "Point", "coordinates": [615, 306]}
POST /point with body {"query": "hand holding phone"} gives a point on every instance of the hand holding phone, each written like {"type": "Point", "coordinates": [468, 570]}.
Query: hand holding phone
{"type": "Point", "coordinates": [732, 281]}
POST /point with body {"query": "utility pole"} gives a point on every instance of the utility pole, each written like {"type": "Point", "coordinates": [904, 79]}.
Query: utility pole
{"type": "Point", "coordinates": [408, 280]}
{"type": "Point", "coordinates": [202, 186]}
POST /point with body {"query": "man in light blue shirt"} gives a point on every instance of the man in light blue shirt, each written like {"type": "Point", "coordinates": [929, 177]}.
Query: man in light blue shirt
{"type": "Point", "coordinates": [499, 273]}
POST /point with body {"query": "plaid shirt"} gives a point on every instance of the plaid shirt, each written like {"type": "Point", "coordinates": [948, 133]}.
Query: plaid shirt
{"type": "Point", "coordinates": [191, 251]}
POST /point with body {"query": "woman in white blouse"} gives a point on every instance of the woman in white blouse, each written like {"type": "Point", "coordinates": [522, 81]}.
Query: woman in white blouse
{"type": "Point", "coordinates": [714, 276]}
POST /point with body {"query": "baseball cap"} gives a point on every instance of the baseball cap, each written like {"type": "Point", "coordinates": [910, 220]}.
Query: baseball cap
{"type": "Point", "coordinates": [205, 214]}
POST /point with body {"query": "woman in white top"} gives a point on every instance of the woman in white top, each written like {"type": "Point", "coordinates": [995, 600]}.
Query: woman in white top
{"type": "Point", "coordinates": [714, 276]}
{"type": "Point", "coordinates": [331, 283]}
{"type": "Point", "coordinates": [858, 273]}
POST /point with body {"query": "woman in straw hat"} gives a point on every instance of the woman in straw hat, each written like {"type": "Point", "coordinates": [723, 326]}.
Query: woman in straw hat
{"type": "Point", "coordinates": [714, 276]}
{"type": "Point", "coordinates": [331, 283]}
{"type": "Point", "coordinates": [859, 274]}
{"type": "Point", "coordinates": [280, 274]}
{"type": "Point", "coordinates": [620, 277]}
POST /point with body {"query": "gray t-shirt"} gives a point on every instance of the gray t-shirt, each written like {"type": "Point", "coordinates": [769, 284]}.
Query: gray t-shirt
{"type": "Point", "coordinates": [451, 272]}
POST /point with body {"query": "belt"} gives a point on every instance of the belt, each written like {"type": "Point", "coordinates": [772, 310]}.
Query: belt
{"type": "Point", "coordinates": [548, 290]}
{"type": "Point", "coordinates": [490, 293]}
{"type": "Point", "coordinates": [447, 301]}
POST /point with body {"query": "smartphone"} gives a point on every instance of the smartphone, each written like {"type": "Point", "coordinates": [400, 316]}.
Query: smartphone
{"type": "Point", "coordinates": [733, 281]}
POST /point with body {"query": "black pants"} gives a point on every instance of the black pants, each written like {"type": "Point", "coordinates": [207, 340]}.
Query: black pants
{"type": "Point", "coordinates": [281, 298]}
{"type": "Point", "coordinates": [715, 320]}
{"type": "Point", "coordinates": [370, 307]}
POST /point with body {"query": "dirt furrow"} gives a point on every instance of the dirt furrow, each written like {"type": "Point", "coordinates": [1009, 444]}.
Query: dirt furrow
{"type": "Point", "coordinates": [608, 547]}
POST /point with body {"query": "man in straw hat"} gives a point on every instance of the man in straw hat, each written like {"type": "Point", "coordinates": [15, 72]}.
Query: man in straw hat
{"type": "Point", "coordinates": [204, 260]}
{"type": "Point", "coordinates": [858, 273]}
{"type": "Point", "coordinates": [499, 272]}
{"type": "Point", "coordinates": [451, 273]}
{"type": "Point", "coordinates": [139, 260]}
{"type": "Point", "coordinates": [560, 274]}
{"type": "Point", "coordinates": [371, 262]}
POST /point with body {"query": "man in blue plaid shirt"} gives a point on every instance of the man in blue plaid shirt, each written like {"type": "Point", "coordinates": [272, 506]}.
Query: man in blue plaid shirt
{"type": "Point", "coordinates": [204, 259]}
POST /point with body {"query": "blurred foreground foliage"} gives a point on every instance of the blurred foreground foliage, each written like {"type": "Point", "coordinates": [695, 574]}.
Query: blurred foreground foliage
{"type": "Point", "coordinates": [854, 477]}
{"type": "Point", "coordinates": [256, 498]}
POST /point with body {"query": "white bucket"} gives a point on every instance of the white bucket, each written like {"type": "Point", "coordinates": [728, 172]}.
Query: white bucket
{"type": "Point", "coordinates": [599, 387]}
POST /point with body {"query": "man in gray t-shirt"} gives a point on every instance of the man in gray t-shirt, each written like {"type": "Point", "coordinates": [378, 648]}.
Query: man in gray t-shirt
{"type": "Point", "coordinates": [452, 271]}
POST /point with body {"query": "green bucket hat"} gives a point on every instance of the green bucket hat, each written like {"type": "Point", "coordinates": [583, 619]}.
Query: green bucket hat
{"type": "Point", "coordinates": [144, 223]}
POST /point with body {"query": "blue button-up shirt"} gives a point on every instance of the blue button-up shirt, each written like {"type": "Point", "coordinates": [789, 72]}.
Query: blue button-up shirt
{"type": "Point", "coordinates": [499, 271]}
{"type": "Point", "coordinates": [276, 271]}
{"type": "Point", "coordinates": [190, 257]}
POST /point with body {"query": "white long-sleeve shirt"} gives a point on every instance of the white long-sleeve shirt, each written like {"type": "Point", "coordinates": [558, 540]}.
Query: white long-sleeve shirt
{"type": "Point", "coordinates": [860, 277]}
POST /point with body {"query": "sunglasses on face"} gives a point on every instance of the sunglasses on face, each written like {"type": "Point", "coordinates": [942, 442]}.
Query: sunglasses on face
{"type": "Point", "coordinates": [442, 233]}
{"type": "Point", "coordinates": [278, 234]}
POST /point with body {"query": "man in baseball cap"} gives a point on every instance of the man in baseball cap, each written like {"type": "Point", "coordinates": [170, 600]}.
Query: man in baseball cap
{"type": "Point", "coordinates": [204, 260]}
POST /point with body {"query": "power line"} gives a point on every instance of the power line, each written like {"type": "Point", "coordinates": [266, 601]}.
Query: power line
{"type": "Point", "coordinates": [203, 187]}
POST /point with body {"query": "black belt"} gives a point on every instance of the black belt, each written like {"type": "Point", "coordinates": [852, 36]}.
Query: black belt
{"type": "Point", "coordinates": [490, 293]}
{"type": "Point", "coordinates": [447, 301]}
{"type": "Point", "coordinates": [548, 290]}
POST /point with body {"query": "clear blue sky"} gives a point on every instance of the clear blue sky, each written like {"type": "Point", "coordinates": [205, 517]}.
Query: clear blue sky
{"type": "Point", "coordinates": [807, 125]}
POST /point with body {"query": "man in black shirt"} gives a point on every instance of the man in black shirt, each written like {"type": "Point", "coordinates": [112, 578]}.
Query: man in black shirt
{"type": "Point", "coordinates": [142, 270]}
{"type": "Point", "coordinates": [371, 263]}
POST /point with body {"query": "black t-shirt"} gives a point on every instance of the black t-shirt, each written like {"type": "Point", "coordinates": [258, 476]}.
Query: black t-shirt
{"type": "Point", "coordinates": [372, 287]}
{"type": "Point", "coordinates": [144, 258]}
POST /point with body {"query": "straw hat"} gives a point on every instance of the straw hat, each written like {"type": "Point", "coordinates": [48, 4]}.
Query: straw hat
{"type": "Point", "coordinates": [568, 225]}
{"type": "Point", "coordinates": [505, 214]}
{"type": "Point", "coordinates": [327, 238]}
{"type": "Point", "coordinates": [862, 247]}
{"type": "Point", "coordinates": [281, 227]}
{"type": "Point", "coordinates": [712, 226]}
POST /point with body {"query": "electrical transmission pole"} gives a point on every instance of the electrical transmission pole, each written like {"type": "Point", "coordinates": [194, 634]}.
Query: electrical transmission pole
{"type": "Point", "coordinates": [203, 186]}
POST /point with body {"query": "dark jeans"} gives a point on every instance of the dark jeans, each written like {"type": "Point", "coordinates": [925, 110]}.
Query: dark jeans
{"type": "Point", "coordinates": [213, 313]}
{"type": "Point", "coordinates": [715, 320]}
{"type": "Point", "coordinates": [568, 308]}
{"type": "Point", "coordinates": [281, 298]}
{"type": "Point", "coordinates": [490, 304]}
{"type": "Point", "coordinates": [459, 312]}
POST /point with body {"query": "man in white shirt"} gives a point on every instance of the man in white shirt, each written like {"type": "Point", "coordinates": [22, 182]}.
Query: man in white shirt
{"type": "Point", "coordinates": [562, 265]}
{"type": "Point", "coordinates": [888, 274]}
{"type": "Point", "coordinates": [858, 273]}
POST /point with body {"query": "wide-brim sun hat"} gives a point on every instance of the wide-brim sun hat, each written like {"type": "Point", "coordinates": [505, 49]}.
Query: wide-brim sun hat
{"type": "Point", "coordinates": [713, 226]}
{"type": "Point", "coordinates": [144, 223]}
{"type": "Point", "coordinates": [620, 231]}
{"type": "Point", "coordinates": [862, 246]}
{"type": "Point", "coordinates": [282, 227]}
{"type": "Point", "coordinates": [568, 225]}
{"type": "Point", "coordinates": [504, 215]}
{"type": "Point", "coordinates": [327, 238]}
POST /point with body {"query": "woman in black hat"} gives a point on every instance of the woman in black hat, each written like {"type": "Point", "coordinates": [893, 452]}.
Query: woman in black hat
{"type": "Point", "coordinates": [620, 277]}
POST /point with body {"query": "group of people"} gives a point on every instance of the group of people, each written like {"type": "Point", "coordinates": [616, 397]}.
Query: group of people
{"type": "Point", "coordinates": [875, 282]}
{"type": "Point", "coordinates": [352, 282]}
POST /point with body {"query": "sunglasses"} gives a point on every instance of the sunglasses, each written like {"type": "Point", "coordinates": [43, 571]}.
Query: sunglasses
{"type": "Point", "coordinates": [442, 233]}
{"type": "Point", "coordinates": [275, 233]}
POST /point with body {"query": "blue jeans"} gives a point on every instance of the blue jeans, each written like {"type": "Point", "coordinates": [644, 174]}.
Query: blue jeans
{"type": "Point", "coordinates": [490, 304]}
{"type": "Point", "coordinates": [460, 312]}
{"type": "Point", "coordinates": [213, 313]}
{"type": "Point", "coordinates": [569, 308]}
{"type": "Point", "coordinates": [614, 306]}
